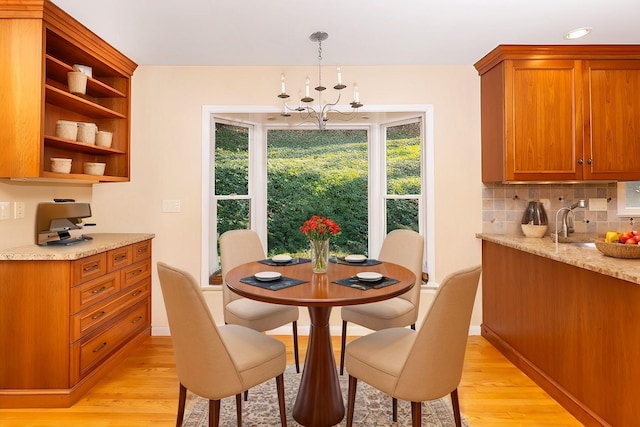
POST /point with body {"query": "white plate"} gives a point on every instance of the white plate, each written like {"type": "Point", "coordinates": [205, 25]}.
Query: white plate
{"type": "Point", "coordinates": [281, 258]}
{"type": "Point", "coordinates": [355, 258]}
{"type": "Point", "coordinates": [369, 276]}
{"type": "Point", "coordinates": [267, 276]}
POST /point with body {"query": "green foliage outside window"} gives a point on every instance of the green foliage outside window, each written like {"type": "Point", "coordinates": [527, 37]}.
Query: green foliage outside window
{"type": "Point", "coordinates": [317, 173]}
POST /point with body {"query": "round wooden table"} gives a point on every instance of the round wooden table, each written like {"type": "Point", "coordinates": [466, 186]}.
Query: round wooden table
{"type": "Point", "coordinates": [319, 402]}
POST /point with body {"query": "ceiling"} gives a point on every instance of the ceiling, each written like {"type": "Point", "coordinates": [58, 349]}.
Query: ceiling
{"type": "Point", "coordinates": [361, 32]}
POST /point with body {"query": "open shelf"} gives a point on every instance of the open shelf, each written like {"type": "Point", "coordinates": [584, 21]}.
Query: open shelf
{"type": "Point", "coordinates": [58, 70]}
{"type": "Point", "coordinates": [73, 102]}
{"type": "Point", "coordinates": [82, 147]}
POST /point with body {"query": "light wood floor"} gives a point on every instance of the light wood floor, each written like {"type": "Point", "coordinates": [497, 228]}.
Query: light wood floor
{"type": "Point", "coordinates": [143, 391]}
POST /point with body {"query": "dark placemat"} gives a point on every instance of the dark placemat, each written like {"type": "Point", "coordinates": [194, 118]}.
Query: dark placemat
{"type": "Point", "coordinates": [274, 285]}
{"type": "Point", "coordinates": [284, 264]}
{"type": "Point", "coordinates": [354, 282]}
{"type": "Point", "coordinates": [366, 262]}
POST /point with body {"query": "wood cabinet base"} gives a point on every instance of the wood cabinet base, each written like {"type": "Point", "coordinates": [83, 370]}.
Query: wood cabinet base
{"type": "Point", "coordinates": [573, 331]}
{"type": "Point", "coordinates": [548, 384]}
{"type": "Point", "coordinates": [65, 398]}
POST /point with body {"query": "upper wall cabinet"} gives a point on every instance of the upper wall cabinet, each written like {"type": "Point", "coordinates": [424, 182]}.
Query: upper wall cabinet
{"type": "Point", "coordinates": [39, 45]}
{"type": "Point", "coordinates": [560, 113]}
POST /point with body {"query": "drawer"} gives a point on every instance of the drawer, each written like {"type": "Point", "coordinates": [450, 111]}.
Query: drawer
{"type": "Point", "coordinates": [94, 291]}
{"type": "Point", "coordinates": [141, 250]}
{"type": "Point", "coordinates": [88, 268]}
{"type": "Point", "coordinates": [96, 316]}
{"type": "Point", "coordinates": [90, 352]}
{"type": "Point", "coordinates": [136, 272]}
{"type": "Point", "coordinates": [120, 257]}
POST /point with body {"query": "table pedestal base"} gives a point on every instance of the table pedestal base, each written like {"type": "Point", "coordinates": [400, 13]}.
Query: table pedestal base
{"type": "Point", "coordinates": [319, 402]}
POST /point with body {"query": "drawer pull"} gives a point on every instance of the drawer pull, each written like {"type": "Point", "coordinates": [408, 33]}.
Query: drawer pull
{"type": "Point", "coordinates": [121, 257]}
{"type": "Point", "coordinates": [99, 315]}
{"type": "Point", "coordinates": [137, 319]}
{"type": "Point", "coordinates": [91, 267]}
{"type": "Point", "coordinates": [97, 291]}
{"type": "Point", "coordinates": [142, 250]}
{"type": "Point", "coordinates": [100, 347]}
{"type": "Point", "coordinates": [136, 293]}
{"type": "Point", "coordinates": [138, 271]}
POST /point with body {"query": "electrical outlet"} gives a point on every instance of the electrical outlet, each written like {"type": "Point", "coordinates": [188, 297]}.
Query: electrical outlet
{"type": "Point", "coordinates": [5, 208]}
{"type": "Point", "coordinates": [598, 205]}
{"type": "Point", "coordinates": [18, 210]}
{"type": "Point", "coordinates": [171, 206]}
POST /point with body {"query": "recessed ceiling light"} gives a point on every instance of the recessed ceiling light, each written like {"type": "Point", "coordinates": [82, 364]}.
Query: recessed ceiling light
{"type": "Point", "coordinates": [577, 33]}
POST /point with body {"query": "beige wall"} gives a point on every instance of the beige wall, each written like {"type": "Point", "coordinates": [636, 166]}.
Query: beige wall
{"type": "Point", "coordinates": [166, 143]}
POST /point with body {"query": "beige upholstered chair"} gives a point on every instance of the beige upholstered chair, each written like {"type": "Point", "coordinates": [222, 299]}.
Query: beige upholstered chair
{"type": "Point", "coordinates": [239, 247]}
{"type": "Point", "coordinates": [403, 247]}
{"type": "Point", "coordinates": [423, 365]}
{"type": "Point", "coordinates": [216, 362]}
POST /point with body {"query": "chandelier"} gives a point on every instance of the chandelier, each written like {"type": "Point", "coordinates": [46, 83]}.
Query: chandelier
{"type": "Point", "coordinates": [318, 112]}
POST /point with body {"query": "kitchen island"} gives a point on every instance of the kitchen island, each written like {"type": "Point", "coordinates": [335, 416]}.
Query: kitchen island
{"type": "Point", "coordinates": [569, 320]}
{"type": "Point", "coordinates": [68, 314]}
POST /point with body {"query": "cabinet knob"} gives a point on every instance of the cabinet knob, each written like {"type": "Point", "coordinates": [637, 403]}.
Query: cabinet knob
{"type": "Point", "coordinates": [580, 161]}
{"type": "Point", "coordinates": [589, 161]}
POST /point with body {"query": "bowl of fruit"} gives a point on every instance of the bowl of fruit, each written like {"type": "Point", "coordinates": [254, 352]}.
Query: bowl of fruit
{"type": "Point", "coordinates": [620, 245]}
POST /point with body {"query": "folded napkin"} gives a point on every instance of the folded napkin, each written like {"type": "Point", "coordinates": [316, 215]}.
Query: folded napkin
{"type": "Point", "coordinates": [366, 262]}
{"type": "Point", "coordinates": [282, 264]}
{"type": "Point", "coordinates": [274, 285]}
{"type": "Point", "coordinates": [364, 285]}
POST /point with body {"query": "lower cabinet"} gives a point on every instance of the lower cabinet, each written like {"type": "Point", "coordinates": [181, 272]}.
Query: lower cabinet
{"type": "Point", "coordinates": [573, 331]}
{"type": "Point", "coordinates": [66, 323]}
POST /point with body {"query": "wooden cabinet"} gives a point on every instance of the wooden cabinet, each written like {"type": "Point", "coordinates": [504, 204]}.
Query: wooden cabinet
{"type": "Point", "coordinates": [573, 331]}
{"type": "Point", "coordinates": [560, 113]}
{"type": "Point", "coordinates": [66, 323]}
{"type": "Point", "coordinates": [39, 44]}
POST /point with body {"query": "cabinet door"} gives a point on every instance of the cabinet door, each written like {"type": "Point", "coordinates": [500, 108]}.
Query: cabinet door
{"type": "Point", "coordinates": [543, 116]}
{"type": "Point", "coordinates": [612, 129]}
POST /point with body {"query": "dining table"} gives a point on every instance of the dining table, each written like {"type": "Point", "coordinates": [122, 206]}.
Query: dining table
{"type": "Point", "coordinates": [319, 402]}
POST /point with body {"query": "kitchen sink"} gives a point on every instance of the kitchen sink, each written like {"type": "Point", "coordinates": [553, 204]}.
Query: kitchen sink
{"type": "Point", "coordinates": [581, 244]}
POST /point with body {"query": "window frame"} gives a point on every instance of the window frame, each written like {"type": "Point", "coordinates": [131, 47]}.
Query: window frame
{"type": "Point", "coordinates": [258, 176]}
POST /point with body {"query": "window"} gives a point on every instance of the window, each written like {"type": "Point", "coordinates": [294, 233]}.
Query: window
{"type": "Point", "coordinates": [403, 176]}
{"type": "Point", "coordinates": [313, 172]}
{"type": "Point", "coordinates": [231, 175]}
{"type": "Point", "coordinates": [391, 164]}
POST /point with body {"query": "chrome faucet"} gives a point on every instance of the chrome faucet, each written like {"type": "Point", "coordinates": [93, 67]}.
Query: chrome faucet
{"type": "Point", "coordinates": [566, 221]}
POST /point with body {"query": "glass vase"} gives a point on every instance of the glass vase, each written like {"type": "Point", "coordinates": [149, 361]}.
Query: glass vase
{"type": "Point", "coordinates": [534, 220]}
{"type": "Point", "coordinates": [319, 255]}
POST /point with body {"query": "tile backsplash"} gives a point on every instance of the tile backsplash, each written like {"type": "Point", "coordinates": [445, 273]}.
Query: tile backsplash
{"type": "Point", "coordinates": [504, 204]}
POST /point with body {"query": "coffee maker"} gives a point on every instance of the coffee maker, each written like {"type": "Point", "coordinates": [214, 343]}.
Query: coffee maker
{"type": "Point", "coordinates": [60, 223]}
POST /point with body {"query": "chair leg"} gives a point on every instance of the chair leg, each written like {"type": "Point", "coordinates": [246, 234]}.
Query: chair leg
{"type": "Point", "coordinates": [295, 346]}
{"type": "Point", "coordinates": [351, 399]}
{"type": "Point", "coordinates": [239, 409]}
{"type": "Point", "coordinates": [246, 395]}
{"type": "Point", "coordinates": [214, 413]}
{"type": "Point", "coordinates": [416, 414]}
{"type": "Point", "coordinates": [394, 409]}
{"type": "Point", "coordinates": [281, 403]}
{"type": "Point", "coordinates": [182, 398]}
{"type": "Point", "coordinates": [413, 326]}
{"type": "Point", "coordinates": [343, 344]}
{"type": "Point", "coordinates": [456, 407]}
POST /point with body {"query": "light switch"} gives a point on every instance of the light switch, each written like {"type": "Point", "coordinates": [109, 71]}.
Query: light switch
{"type": "Point", "coordinates": [598, 205]}
{"type": "Point", "coordinates": [171, 206]}
{"type": "Point", "coordinates": [18, 210]}
{"type": "Point", "coordinates": [5, 207]}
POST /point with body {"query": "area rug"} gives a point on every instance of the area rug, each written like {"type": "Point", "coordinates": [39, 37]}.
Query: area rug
{"type": "Point", "coordinates": [373, 408]}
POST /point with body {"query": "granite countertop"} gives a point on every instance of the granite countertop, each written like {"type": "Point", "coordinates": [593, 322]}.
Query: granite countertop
{"type": "Point", "coordinates": [583, 257]}
{"type": "Point", "coordinates": [101, 242]}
